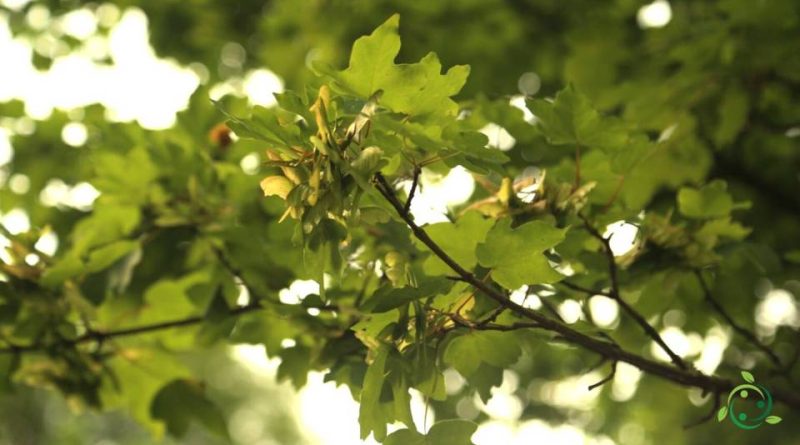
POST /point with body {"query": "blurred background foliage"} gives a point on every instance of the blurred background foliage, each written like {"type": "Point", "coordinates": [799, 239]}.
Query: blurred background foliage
{"type": "Point", "coordinates": [719, 81]}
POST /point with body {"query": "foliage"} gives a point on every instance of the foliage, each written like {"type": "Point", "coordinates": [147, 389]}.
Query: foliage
{"type": "Point", "coordinates": [679, 132]}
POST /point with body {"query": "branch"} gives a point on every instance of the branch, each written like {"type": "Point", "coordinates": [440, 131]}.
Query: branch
{"type": "Point", "coordinates": [101, 336]}
{"type": "Point", "coordinates": [607, 378]}
{"type": "Point", "coordinates": [684, 377]}
{"type": "Point", "coordinates": [614, 294]}
{"type": "Point", "coordinates": [739, 329]}
{"type": "Point", "coordinates": [492, 316]}
{"type": "Point", "coordinates": [414, 183]}
{"type": "Point", "coordinates": [586, 290]}
{"type": "Point", "coordinates": [550, 308]}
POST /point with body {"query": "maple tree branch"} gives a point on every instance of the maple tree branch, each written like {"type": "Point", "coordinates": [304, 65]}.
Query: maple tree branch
{"type": "Point", "coordinates": [550, 308]}
{"type": "Point", "coordinates": [100, 336]}
{"type": "Point", "coordinates": [414, 183]}
{"type": "Point", "coordinates": [739, 329]}
{"type": "Point", "coordinates": [586, 290]}
{"type": "Point", "coordinates": [611, 351]}
{"type": "Point", "coordinates": [615, 295]}
{"type": "Point", "coordinates": [607, 378]}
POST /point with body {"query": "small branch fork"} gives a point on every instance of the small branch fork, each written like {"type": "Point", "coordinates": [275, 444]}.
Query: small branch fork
{"type": "Point", "coordinates": [615, 295]}
{"type": "Point", "coordinates": [681, 376]}
{"type": "Point", "coordinates": [739, 329]}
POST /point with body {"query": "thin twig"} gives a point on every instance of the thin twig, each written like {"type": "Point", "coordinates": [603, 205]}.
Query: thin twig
{"type": "Point", "coordinates": [607, 378]}
{"type": "Point", "coordinates": [615, 294]}
{"type": "Point", "coordinates": [748, 335]}
{"type": "Point", "coordinates": [586, 290]}
{"type": "Point", "coordinates": [99, 336]}
{"type": "Point", "coordinates": [492, 316]}
{"type": "Point", "coordinates": [550, 308]}
{"type": "Point", "coordinates": [414, 183]}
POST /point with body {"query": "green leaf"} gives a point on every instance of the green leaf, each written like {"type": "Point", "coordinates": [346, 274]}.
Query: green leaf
{"type": "Point", "coordinates": [570, 119]}
{"type": "Point", "coordinates": [465, 353]}
{"type": "Point", "coordinates": [108, 223]}
{"type": "Point", "coordinates": [722, 413]}
{"type": "Point", "coordinates": [792, 256]}
{"type": "Point", "coordinates": [515, 255]}
{"type": "Point", "coordinates": [373, 324]}
{"type": "Point", "coordinates": [264, 125]}
{"type": "Point", "coordinates": [388, 298]}
{"type": "Point", "coordinates": [772, 420]}
{"type": "Point", "coordinates": [484, 379]}
{"type": "Point", "coordinates": [263, 327]}
{"type": "Point", "coordinates": [127, 178]}
{"type": "Point", "coordinates": [71, 265]}
{"type": "Point", "coordinates": [371, 416]}
{"type": "Point", "coordinates": [446, 432]}
{"type": "Point", "coordinates": [295, 365]}
{"type": "Point", "coordinates": [67, 267]}
{"type": "Point", "coordinates": [710, 201]}
{"type": "Point", "coordinates": [458, 240]}
{"type": "Point", "coordinates": [183, 401]}
{"type": "Point", "coordinates": [733, 109]}
{"type": "Point", "coordinates": [414, 89]}
{"type": "Point", "coordinates": [452, 432]}
{"type": "Point", "coordinates": [368, 162]}
{"type": "Point", "coordinates": [144, 373]}
{"type": "Point", "coordinates": [105, 256]}
{"type": "Point", "coordinates": [748, 377]}
{"type": "Point", "coordinates": [405, 437]}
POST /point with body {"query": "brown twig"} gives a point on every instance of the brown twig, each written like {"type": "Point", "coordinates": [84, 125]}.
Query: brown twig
{"type": "Point", "coordinates": [100, 336]}
{"type": "Point", "coordinates": [414, 183]}
{"type": "Point", "coordinates": [607, 378]}
{"type": "Point", "coordinates": [586, 290]}
{"type": "Point", "coordinates": [739, 329]}
{"type": "Point", "coordinates": [615, 295]}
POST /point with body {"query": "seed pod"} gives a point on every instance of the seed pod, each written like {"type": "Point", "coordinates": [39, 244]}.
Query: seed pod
{"type": "Point", "coordinates": [276, 186]}
{"type": "Point", "coordinates": [313, 183]}
{"type": "Point", "coordinates": [319, 145]}
{"type": "Point", "coordinates": [393, 258]}
{"type": "Point", "coordinates": [368, 160]}
{"type": "Point", "coordinates": [320, 110]}
{"type": "Point", "coordinates": [296, 175]}
{"type": "Point", "coordinates": [397, 268]}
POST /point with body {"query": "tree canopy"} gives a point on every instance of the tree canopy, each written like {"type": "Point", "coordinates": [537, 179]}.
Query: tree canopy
{"type": "Point", "coordinates": [619, 214]}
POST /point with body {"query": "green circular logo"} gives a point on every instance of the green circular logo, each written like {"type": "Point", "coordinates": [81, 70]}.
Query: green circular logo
{"type": "Point", "coordinates": [746, 392]}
